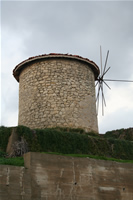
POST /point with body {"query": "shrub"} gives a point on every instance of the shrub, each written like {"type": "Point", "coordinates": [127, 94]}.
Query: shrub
{"type": "Point", "coordinates": [5, 133]}
{"type": "Point", "coordinates": [73, 141]}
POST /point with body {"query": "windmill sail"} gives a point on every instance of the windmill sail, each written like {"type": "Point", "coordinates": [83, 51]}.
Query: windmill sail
{"type": "Point", "coordinates": [100, 80]}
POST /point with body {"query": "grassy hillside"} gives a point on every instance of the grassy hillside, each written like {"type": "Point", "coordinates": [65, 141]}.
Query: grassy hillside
{"type": "Point", "coordinates": [114, 144]}
{"type": "Point", "coordinates": [121, 134]}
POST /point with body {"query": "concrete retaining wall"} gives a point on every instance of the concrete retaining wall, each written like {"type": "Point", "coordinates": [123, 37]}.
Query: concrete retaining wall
{"type": "Point", "coordinates": [53, 177]}
{"type": "Point", "coordinates": [15, 183]}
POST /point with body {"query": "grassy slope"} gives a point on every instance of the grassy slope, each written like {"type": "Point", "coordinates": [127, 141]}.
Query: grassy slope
{"type": "Point", "coordinates": [116, 145]}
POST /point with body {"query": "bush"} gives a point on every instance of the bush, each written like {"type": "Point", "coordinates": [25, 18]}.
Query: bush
{"type": "Point", "coordinates": [53, 139]}
{"type": "Point", "coordinates": [3, 154]}
{"type": "Point", "coordinates": [73, 141]}
{"type": "Point", "coordinates": [5, 133]}
{"type": "Point", "coordinates": [121, 134]}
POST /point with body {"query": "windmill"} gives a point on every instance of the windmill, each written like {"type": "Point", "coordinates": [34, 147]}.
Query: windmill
{"type": "Point", "coordinates": [102, 81]}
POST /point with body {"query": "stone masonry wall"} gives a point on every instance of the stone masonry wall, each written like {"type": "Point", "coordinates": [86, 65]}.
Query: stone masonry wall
{"type": "Point", "coordinates": [57, 92]}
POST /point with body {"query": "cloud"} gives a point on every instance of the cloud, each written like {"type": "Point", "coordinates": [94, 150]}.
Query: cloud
{"type": "Point", "coordinates": [118, 112]}
{"type": "Point", "coordinates": [30, 28]}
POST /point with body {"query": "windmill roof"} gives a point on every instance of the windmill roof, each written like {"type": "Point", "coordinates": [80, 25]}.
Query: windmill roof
{"type": "Point", "coordinates": [17, 70]}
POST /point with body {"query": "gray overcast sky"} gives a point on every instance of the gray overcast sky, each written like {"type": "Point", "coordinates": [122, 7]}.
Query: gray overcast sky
{"type": "Point", "coordinates": [30, 28]}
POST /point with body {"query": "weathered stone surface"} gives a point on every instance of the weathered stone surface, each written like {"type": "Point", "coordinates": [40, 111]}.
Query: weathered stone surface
{"type": "Point", "coordinates": [53, 177]}
{"type": "Point", "coordinates": [57, 92]}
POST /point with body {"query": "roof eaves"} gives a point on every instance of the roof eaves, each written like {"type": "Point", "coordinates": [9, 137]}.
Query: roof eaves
{"type": "Point", "coordinates": [18, 68]}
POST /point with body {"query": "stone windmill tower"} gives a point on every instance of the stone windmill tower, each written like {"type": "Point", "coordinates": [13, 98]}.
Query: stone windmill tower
{"type": "Point", "coordinates": [57, 90]}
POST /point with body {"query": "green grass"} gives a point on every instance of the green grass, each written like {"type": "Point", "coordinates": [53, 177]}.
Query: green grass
{"type": "Point", "coordinates": [17, 161]}
{"type": "Point", "coordinates": [90, 156]}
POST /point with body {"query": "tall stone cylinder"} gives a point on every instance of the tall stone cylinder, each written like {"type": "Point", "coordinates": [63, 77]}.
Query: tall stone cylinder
{"type": "Point", "coordinates": [57, 90]}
